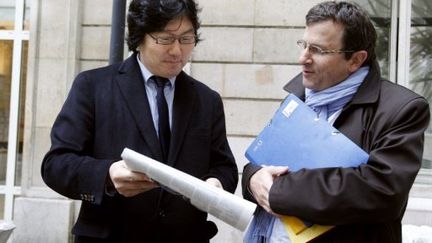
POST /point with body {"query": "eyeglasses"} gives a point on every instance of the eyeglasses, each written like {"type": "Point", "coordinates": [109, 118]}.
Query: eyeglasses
{"type": "Point", "coordinates": [313, 49]}
{"type": "Point", "coordinates": [168, 40]}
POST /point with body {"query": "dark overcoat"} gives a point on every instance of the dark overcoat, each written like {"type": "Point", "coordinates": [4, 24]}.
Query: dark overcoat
{"type": "Point", "coordinates": [366, 203]}
{"type": "Point", "coordinates": [106, 111]}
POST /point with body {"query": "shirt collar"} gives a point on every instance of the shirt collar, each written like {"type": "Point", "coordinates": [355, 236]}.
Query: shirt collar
{"type": "Point", "coordinates": [147, 74]}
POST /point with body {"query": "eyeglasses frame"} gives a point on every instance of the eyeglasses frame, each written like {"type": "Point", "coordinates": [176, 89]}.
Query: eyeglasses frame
{"type": "Point", "coordinates": [305, 45]}
{"type": "Point", "coordinates": [172, 39]}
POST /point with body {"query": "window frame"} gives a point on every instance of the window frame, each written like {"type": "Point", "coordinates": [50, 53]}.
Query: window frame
{"type": "Point", "coordinates": [18, 35]}
{"type": "Point", "coordinates": [422, 187]}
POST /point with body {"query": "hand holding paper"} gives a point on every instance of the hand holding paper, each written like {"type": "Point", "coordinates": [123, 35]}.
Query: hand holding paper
{"type": "Point", "coordinates": [229, 208]}
{"type": "Point", "coordinates": [214, 182]}
{"type": "Point", "coordinates": [129, 183]}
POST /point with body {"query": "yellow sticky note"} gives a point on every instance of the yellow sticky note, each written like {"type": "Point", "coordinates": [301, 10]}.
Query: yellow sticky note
{"type": "Point", "coordinates": [297, 225]}
{"type": "Point", "coordinates": [298, 232]}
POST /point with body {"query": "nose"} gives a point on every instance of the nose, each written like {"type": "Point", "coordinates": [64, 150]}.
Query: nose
{"type": "Point", "coordinates": [175, 48]}
{"type": "Point", "coordinates": [305, 57]}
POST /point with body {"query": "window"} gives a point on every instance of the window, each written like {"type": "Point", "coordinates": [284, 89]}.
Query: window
{"type": "Point", "coordinates": [419, 51]}
{"type": "Point", "coordinates": [420, 61]}
{"type": "Point", "coordinates": [404, 52]}
{"type": "Point", "coordinates": [14, 35]}
{"type": "Point", "coordinates": [381, 13]}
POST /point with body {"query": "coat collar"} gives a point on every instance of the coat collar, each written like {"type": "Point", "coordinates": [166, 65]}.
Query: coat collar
{"type": "Point", "coordinates": [131, 85]}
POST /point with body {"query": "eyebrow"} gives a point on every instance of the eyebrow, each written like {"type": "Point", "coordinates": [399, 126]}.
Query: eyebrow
{"type": "Point", "coordinates": [191, 30]}
{"type": "Point", "coordinates": [318, 45]}
{"type": "Point", "coordinates": [311, 43]}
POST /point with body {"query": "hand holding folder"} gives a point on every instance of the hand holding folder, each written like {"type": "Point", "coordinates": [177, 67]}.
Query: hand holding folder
{"type": "Point", "coordinates": [296, 138]}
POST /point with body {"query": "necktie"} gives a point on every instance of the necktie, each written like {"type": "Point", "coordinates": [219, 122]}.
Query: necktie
{"type": "Point", "coordinates": [163, 125]}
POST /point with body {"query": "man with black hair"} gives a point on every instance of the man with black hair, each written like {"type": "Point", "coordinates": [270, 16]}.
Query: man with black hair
{"type": "Point", "coordinates": [148, 104]}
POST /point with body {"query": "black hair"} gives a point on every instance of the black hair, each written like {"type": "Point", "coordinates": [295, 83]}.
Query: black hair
{"type": "Point", "coordinates": [147, 16]}
{"type": "Point", "coordinates": [359, 32]}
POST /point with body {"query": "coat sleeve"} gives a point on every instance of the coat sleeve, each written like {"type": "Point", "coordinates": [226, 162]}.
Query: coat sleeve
{"type": "Point", "coordinates": [222, 163]}
{"type": "Point", "coordinates": [374, 192]}
{"type": "Point", "coordinates": [67, 168]}
{"type": "Point", "coordinates": [248, 171]}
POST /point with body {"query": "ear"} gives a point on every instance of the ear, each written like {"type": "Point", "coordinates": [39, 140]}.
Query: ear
{"type": "Point", "coordinates": [357, 60]}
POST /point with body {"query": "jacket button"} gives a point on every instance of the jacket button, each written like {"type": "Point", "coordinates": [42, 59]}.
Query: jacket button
{"type": "Point", "coordinates": [162, 214]}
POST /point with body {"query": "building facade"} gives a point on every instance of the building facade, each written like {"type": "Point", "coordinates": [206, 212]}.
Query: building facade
{"type": "Point", "coordinates": [248, 53]}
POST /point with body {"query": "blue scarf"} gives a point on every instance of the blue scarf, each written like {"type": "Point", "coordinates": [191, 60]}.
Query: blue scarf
{"type": "Point", "coordinates": [328, 101]}
{"type": "Point", "coordinates": [260, 229]}
{"type": "Point", "coordinates": [325, 103]}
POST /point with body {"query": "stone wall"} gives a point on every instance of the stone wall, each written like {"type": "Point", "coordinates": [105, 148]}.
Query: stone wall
{"type": "Point", "coordinates": [247, 55]}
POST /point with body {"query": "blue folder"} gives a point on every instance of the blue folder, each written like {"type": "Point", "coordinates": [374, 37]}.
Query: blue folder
{"type": "Point", "coordinates": [296, 138]}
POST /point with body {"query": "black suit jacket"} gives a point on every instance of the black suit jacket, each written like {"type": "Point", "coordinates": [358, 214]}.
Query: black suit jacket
{"type": "Point", "coordinates": [107, 110]}
{"type": "Point", "coordinates": [366, 203]}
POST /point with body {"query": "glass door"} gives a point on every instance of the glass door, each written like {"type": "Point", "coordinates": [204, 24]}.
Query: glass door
{"type": "Point", "coordinates": [382, 13]}
{"type": "Point", "coordinates": [14, 35]}
{"type": "Point", "coordinates": [420, 72]}
{"type": "Point", "coordinates": [404, 50]}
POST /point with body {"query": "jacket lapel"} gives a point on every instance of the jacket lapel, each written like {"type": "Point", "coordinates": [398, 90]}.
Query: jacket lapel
{"type": "Point", "coordinates": [184, 99]}
{"type": "Point", "coordinates": [131, 85]}
{"type": "Point", "coordinates": [295, 86]}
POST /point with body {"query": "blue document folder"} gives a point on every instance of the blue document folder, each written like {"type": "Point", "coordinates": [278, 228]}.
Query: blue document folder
{"type": "Point", "coordinates": [296, 138]}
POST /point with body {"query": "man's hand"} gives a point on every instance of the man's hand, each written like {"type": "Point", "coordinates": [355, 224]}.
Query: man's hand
{"type": "Point", "coordinates": [261, 182]}
{"type": "Point", "coordinates": [129, 183]}
{"type": "Point", "coordinates": [214, 182]}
